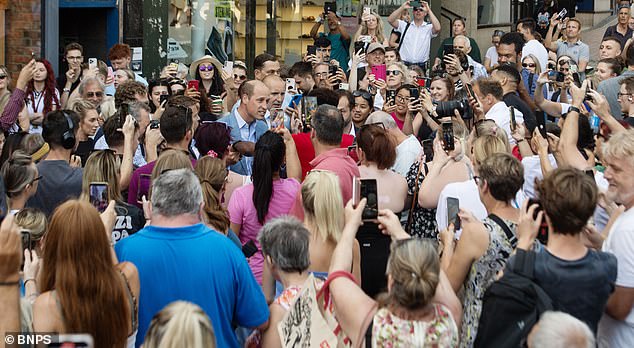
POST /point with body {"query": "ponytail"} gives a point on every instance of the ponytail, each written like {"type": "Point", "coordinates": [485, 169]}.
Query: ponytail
{"type": "Point", "coordinates": [267, 160]}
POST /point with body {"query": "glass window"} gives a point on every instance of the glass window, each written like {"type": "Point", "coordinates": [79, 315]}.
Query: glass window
{"type": "Point", "coordinates": [494, 12]}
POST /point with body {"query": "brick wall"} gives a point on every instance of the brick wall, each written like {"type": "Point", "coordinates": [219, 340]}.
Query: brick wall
{"type": "Point", "coordinates": [23, 33]}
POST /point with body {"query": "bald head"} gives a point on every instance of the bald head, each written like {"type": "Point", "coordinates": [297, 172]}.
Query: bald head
{"type": "Point", "coordinates": [276, 87]}
{"type": "Point", "coordinates": [383, 118]}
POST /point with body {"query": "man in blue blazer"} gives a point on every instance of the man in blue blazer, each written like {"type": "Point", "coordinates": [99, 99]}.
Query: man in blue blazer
{"type": "Point", "coordinates": [247, 123]}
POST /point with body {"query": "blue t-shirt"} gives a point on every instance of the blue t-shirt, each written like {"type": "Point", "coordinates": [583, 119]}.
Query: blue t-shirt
{"type": "Point", "coordinates": [339, 49]}
{"type": "Point", "coordinates": [198, 265]}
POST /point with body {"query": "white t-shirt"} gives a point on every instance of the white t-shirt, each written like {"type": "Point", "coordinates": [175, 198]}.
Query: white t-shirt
{"type": "Point", "coordinates": [406, 154]}
{"type": "Point", "coordinates": [501, 114]}
{"type": "Point", "coordinates": [620, 242]}
{"type": "Point", "coordinates": [538, 50]}
{"type": "Point", "coordinates": [492, 54]}
{"type": "Point", "coordinates": [417, 41]}
{"type": "Point", "coordinates": [532, 171]}
{"type": "Point", "coordinates": [468, 197]}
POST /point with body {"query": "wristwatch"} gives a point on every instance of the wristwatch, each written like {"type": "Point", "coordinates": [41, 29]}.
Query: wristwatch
{"type": "Point", "coordinates": [575, 109]}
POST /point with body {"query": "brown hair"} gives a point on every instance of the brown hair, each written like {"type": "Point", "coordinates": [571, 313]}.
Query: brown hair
{"type": "Point", "coordinates": [77, 265]}
{"type": "Point", "coordinates": [377, 146]}
{"type": "Point", "coordinates": [102, 166]}
{"type": "Point", "coordinates": [488, 85]}
{"type": "Point", "coordinates": [127, 91]}
{"type": "Point", "coordinates": [451, 89]}
{"type": "Point", "coordinates": [504, 174]}
{"type": "Point", "coordinates": [568, 196]}
{"type": "Point", "coordinates": [119, 51]}
{"type": "Point", "coordinates": [73, 46]}
{"type": "Point", "coordinates": [212, 173]}
{"type": "Point", "coordinates": [629, 84]}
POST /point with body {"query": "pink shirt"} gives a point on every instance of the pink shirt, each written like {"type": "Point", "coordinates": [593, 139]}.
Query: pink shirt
{"type": "Point", "coordinates": [399, 123]}
{"type": "Point", "coordinates": [338, 162]}
{"type": "Point", "coordinates": [242, 212]}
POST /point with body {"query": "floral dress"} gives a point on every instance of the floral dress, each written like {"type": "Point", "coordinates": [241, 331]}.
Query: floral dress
{"type": "Point", "coordinates": [482, 274]}
{"type": "Point", "coordinates": [423, 220]}
{"type": "Point", "coordinates": [390, 331]}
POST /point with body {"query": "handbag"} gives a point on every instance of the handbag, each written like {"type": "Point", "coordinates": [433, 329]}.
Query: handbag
{"type": "Point", "coordinates": [310, 321]}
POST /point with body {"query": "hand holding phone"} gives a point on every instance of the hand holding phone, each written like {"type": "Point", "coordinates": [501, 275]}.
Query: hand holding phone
{"type": "Point", "coordinates": [453, 207]}
{"type": "Point", "coordinates": [99, 196]}
{"type": "Point", "coordinates": [448, 137]}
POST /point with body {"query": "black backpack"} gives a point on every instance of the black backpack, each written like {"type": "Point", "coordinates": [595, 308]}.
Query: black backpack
{"type": "Point", "coordinates": [512, 305]}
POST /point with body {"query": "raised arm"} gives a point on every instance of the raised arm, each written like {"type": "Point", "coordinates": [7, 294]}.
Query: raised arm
{"type": "Point", "coordinates": [570, 131]}
{"type": "Point", "coordinates": [549, 43]}
{"type": "Point", "coordinates": [550, 107]}
{"type": "Point", "coordinates": [435, 23]}
{"type": "Point", "coordinates": [396, 15]}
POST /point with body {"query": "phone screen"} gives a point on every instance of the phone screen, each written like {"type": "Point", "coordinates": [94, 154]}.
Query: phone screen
{"type": "Point", "coordinates": [163, 97]}
{"type": "Point", "coordinates": [311, 50]}
{"type": "Point", "coordinates": [453, 206]}
{"type": "Point", "coordinates": [448, 49]}
{"type": "Point", "coordinates": [143, 188]}
{"type": "Point", "coordinates": [390, 95]}
{"type": "Point", "coordinates": [428, 149]}
{"type": "Point", "coordinates": [513, 122]}
{"type": "Point", "coordinates": [369, 191]}
{"type": "Point", "coordinates": [414, 93]}
{"type": "Point", "coordinates": [26, 240]}
{"type": "Point", "coordinates": [310, 106]}
{"type": "Point", "coordinates": [99, 195]}
{"type": "Point", "coordinates": [379, 72]}
{"type": "Point", "coordinates": [277, 118]}
{"type": "Point", "coordinates": [542, 234]}
{"type": "Point", "coordinates": [447, 136]}
{"type": "Point", "coordinates": [192, 84]}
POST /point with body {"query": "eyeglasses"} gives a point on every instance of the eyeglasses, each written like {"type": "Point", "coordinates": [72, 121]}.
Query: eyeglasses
{"type": "Point", "coordinates": [392, 72]}
{"type": "Point", "coordinates": [239, 77]}
{"type": "Point", "coordinates": [206, 67]}
{"type": "Point", "coordinates": [477, 180]}
{"type": "Point", "coordinates": [94, 94]}
{"type": "Point", "coordinates": [37, 179]}
{"type": "Point", "coordinates": [528, 65]}
{"type": "Point", "coordinates": [619, 94]}
{"type": "Point", "coordinates": [401, 99]}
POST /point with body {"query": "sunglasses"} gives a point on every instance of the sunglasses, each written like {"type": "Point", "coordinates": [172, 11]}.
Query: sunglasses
{"type": "Point", "coordinates": [392, 72]}
{"type": "Point", "coordinates": [94, 94]}
{"type": "Point", "coordinates": [206, 67]}
{"type": "Point", "coordinates": [2, 77]}
{"type": "Point", "coordinates": [417, 9]}
{"type": "Point", "coordinates": [528, 65]}
{"type": "Point", "coordinates": [239, 77]}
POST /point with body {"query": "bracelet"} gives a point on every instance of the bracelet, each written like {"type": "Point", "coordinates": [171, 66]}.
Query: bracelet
{"type": "Point", "coordinates": [17, 282]}
{"type": "Point", "coordinates": [28, 280]}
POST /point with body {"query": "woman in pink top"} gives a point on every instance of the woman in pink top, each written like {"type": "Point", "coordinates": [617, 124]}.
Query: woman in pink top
{"type": "Point", "coordinates": [269, 196]}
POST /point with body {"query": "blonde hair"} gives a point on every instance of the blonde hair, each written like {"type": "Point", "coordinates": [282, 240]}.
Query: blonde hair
{"type": "Point", "coordinates": [33, 220]}
{"type": "Point", "coordinates": [102, 166]}
{"type": "Point", "coordinates": [414, 267]}
{"type": "Point", "coordinates": [404, 72]}
{"type": "Point", "coordinates": [486, 145]}
{"type": "Point", "coordinates": [180, 324]}
{"type": "Point", "coordinates": [538, 67]}
{"type": "Point", "coordinates": [620, 145]}
{"type": "Point", "coordinates": [322, 201]}
{"type": "Point", "coordinates": [81, 106]}
{"type": "Point", "coordinates": [379, 33]}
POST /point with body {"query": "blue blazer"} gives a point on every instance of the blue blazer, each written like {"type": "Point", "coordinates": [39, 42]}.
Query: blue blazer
{"type": "Point", "coordinates": [242, 167]}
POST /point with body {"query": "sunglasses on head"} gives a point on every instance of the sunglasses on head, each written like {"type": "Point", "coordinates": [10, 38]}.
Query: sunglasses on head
{"type": "Point", "coordinates": [363, 94]}
{"type": "Point", "coordinates": [206, 67]}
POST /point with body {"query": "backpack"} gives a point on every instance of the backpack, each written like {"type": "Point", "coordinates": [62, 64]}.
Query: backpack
{"type": "Point", "coordinates": [512, 305]}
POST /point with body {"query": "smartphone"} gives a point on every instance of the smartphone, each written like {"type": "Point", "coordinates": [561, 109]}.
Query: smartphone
{"type": "Point", "coordinates": [453, 207]}
{"type": "Point", "coordinates": [155, 124]}
{"type": "Point", "coordinates": [344, 86]}
{"type": "Point", "coordinates": [26, 240]}
{"type": "Point", "coordinates": [390, 95]}
{"type": "Point", "coordinates": [192, 84]}
{"type": "Point", "coordinates": [379, 72]}
{"type": "Point", "coordinates": [352, 149]}
{"type": "Point", "coordinates": [556, 76]}
{"type": "Point", "coordinates": [368, 190]}
{"type": "Point", "coordinates": [424, 82]}
{"type": "Point", "coordinates": [310, 106]}
{"type": "Point", "coordinates": [32, 55]}
{"type": "Point", "coordinates": [513, 122]}
{"type": "Point", "coordinates": [428, 150]}
{"type": "Point", "coordinates": [332, 70]}
{"type": "Point", "coordinates": [589, 87]}
{"type": "Point", "coordinates": [249, 248]}
{"type": "Point", "coordinates": [295, 100]}
{"type": "Point", "coordinates": [72, 340]}
{"type": "Point", "coordinates": [414, 4]}
{"type": "Point", "coordinates": [330, 7]}
{"type": "Point", "coordinates": [366, 11]}
{"type": "Point", "coordinates": [365, 38]}
{"type": "Point", "coordinates": [414, 93]}
{"type": "Point", "coordinates": [447, 49]}
{"type": "Point", "coordinates": [470, 92]}
{"type": "Point", "coordinates": [359, 47]}
{"type": "Point", "coordinates": [311, 50]}
{"type": "Point", "coordinates": [562, 13]}
{"type": "Point", "coordinates": [92, 63]}
{"type": "Point", "coordinates": [277, 118]}
{"type": "Point", "coordinates": [163, 97]}
{"type": "Point", "coordinates": [228, 67]}
{"type": "Point", "coordinates": [145, 180]}
{"type": "Point", "coordinates": [110, 73]}
{"type": "Point", "coordinates": [576, 79]}
{"type": "Point", "coordinates": [290, 85]}
{"type": "Point", "coordinates": [542, 234]}
{"type": "Point", "coordinates": [448, 137]}
{"type": "Point", "coordinates": [99, 195]}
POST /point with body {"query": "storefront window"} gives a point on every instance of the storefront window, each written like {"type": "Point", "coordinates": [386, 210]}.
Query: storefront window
{"type": "Point", "coordinates": [220, 28]}
{"type": "Point", "coordinates": [494, 12]}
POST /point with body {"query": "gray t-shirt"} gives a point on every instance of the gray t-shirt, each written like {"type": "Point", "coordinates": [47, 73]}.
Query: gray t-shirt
{"type": "Point", "coordinates": [59, 183]}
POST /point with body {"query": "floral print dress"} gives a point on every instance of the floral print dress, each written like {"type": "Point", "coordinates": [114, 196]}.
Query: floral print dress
{"type": "Point", "coordinates": [482, 274]}
{"type": "Point", "coordinates": [423, 220]}
{"type": "Point", "coordinates": [390, 331]}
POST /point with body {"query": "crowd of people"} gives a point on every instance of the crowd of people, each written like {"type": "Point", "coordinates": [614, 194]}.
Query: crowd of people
{"type": "Point", "coordinates": [403, 197]}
